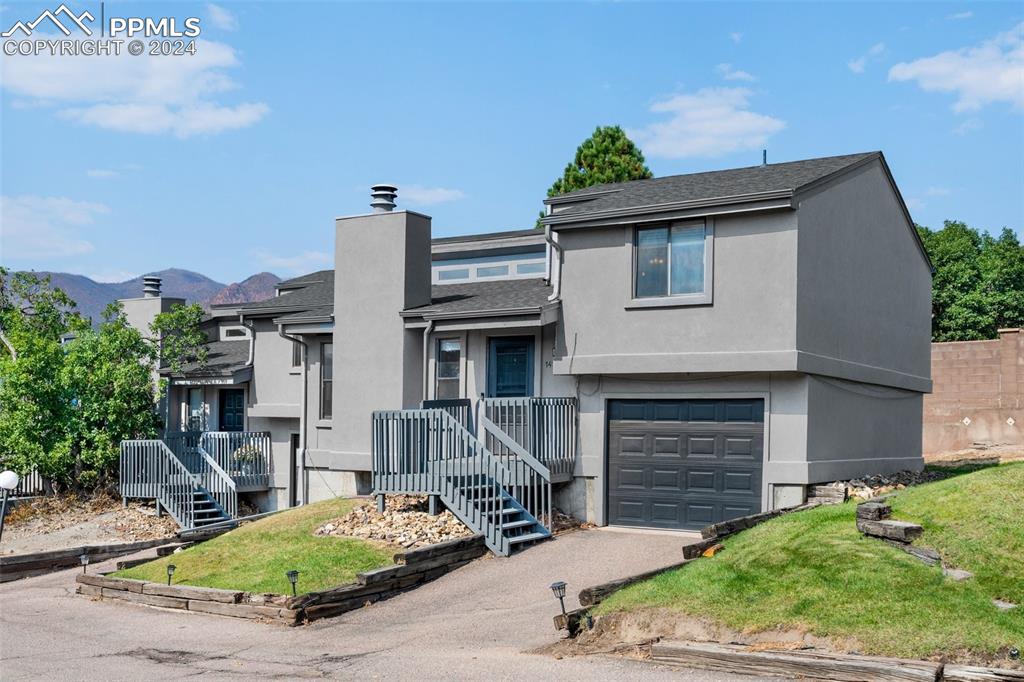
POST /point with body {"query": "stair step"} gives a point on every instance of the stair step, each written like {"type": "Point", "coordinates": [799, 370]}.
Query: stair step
{"type": "Point", "coordinates": [527, 537]}
{"type": "Point", "coordinates": [504, 511]}
{"type": "Point", "coordinates": [484, 500]}
{"type": "Point", "coordinates": [207, 512]}
{"type": "Point", "coordinates": [517, 524]}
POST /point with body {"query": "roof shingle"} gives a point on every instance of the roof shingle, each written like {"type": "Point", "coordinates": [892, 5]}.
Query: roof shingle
{"type": "Point", "coordinates": [711, 185]}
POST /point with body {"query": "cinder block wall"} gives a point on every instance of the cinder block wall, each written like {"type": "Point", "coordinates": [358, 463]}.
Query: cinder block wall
{"type": "Point", "coordinates": [977, 395]}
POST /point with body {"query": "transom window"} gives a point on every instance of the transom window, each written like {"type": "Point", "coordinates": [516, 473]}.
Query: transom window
{"type": "Point", "coordinates": [448, 369]}
{"type": "Point", "coordinates": [671, 260]}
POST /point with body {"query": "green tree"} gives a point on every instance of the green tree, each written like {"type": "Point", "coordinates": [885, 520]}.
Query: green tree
{"type": "Point", "coordinates": [35, 402]}
{"type": "Point", "coordinates": [182, 339]}
{"type": "Point", "coordinates": [978, 286]}
{"type": "Point", "coordinates": [109, 371]}
{"type": "Point", "coordinates": [70, 393]}
{"type": "Point", "coordinates": [606, 156]}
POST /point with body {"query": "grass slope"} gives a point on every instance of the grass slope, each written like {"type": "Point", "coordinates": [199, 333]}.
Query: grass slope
{"type": "Point", "coordinates": [813, 571]}
{"type": "Point", "coordinates": [256, 556]}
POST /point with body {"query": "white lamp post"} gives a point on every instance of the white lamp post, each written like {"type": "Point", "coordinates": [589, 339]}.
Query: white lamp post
{"type": "Point", "coordinates": [8, 482]}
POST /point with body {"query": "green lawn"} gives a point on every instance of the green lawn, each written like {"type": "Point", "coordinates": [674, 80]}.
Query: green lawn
{"type": "Point", "coordinates": [256, 556]}
{"type": "Point", "coordinates": [813, 571]}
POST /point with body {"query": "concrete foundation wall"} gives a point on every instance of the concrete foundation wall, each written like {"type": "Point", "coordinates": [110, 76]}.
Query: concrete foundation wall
{"type": "Point", "coordinates": [978, 394]}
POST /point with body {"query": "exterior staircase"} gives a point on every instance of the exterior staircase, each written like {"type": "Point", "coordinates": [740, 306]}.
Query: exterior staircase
{"type": "Point", "coordinates": [506, 498]}
{"type": "Point", "coordinates": [188, 484]}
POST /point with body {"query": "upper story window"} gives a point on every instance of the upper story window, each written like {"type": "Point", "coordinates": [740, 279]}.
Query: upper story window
{"type": "Point", "coordinates": [326, 380]}
{"type": "Point", "coordinates": [234, 333]}
{"type": "Point", "coordinates": [673, 263]}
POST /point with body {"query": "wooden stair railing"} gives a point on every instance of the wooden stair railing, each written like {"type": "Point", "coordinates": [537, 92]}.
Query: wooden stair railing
{"type": "Point", "coordinates": [150, 469]}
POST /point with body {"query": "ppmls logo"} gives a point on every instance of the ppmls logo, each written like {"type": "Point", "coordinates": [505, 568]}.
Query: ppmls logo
{"type": "Point", "coordinates": [165, 36]}
{"type": "Point", "coordinates": [69, 16]}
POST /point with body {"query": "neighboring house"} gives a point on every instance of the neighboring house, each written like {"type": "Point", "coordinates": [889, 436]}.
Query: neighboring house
{"type": "Point", "coordinates": [667, 353]}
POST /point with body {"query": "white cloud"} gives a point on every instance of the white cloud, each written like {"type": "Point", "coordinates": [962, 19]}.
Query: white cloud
{"type": "Point", "coordinates": [736, 37]}
{"type": "Point", "coordinates": [987, 73]}
{"type": "Point", "coordinates": [731, 74]}
{"type": "Point", "coordinates": [428, 196]}
{"type": "Point", "coordinates": [143, 94]}
{"type": "Point", "coordinates": [960, 16]}
{"type": "Point", "coordinates": [860, 63]}
{"type": "Point", "coordinates": [914, 204]}
{"type": "Point", "coordinates": [709, 122]}
{"type": "Point", "coordinates": [46, 227]}
{"type": "Point", "coordinates": [307, 261]}
{"type": "Point", "coordinates": [108, 173]}
{"type": "Point", "coordinates": [969, 125]}
{"type": "Point", "coordinates": [221, 18]}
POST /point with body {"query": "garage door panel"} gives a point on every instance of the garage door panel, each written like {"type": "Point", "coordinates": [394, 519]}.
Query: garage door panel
{"type": "Point", "coordinates": [631, 511]}
{"type": "Point", "coordinates": [700, 447]}
{"type": "Point", "coordinates": [667, 445]}
{"type": "Point", "coordinates": [701, 480]}
{"type": "Point", "coordinates": [718, 445]}
{"type": "Point", "coordinates": [666, 479]}
{"type": "Point", "coordinates": [631, 477]}
{"type": "Point", "coordinates": [631, 444]}
{"type": "Point", "coordinates": [740, 482]}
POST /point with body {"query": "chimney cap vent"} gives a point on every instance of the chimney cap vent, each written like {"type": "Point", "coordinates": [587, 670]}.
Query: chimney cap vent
{"type": "Point", "coordinates": [151, 286]}
{"type": "Point", "coordinates": [383, 197]}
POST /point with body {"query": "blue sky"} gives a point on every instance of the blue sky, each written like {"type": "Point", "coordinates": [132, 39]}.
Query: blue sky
{"type": "Point", "coordinates": [237, 159]}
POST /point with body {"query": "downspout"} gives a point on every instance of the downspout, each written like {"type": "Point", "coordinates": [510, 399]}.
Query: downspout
{"type": "Point", "coordinates": [426, 357]}
{"type": "Point", "coordinates": [555, 279]}
{"type": "Point", "coordinates": [302, 411]}
{"type": "Point", "coordinates": [252, 357]}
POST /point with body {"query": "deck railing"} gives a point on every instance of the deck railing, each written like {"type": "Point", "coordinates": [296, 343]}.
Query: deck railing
{"type": "Point", "coordinates": [544, 427]}
{"type": "Point", "coordinates": [244, 455]}
{"type": "Point", "coordinates": [29, 485]}
{"type": "Point", "coordinates": [460, 408]}
{"type": "Point", "coordinates": [218, 483]}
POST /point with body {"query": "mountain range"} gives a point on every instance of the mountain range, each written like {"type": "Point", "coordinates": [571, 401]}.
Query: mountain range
{"type": "Point", "coordinates": [92, 296]}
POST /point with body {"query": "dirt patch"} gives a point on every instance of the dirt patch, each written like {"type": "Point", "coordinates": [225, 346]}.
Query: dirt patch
{"type": "Point", "coordinates": [981, 455]}
{"type": "Point", "coordinates": [59, 522]}
{"type": "Point", "coordinates": [631, 634]}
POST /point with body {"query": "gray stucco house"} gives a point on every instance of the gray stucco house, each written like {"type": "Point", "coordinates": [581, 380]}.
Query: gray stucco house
{"type": "Point", "coordinates": [666, 353]}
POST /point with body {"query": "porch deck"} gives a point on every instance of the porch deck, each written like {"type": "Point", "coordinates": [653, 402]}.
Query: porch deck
{"type": "Point", "coordinates": [196, 476]}
{"type": "Point", "coordinates": [494, 472]}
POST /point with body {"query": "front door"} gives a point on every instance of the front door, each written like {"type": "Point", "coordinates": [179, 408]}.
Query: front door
{"type": "Point", "coordinates": [510, 367]}
{"type": "Point", "coordinates": [232, 409]}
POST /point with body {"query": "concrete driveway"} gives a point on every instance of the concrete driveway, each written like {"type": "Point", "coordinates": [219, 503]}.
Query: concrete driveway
{"type": "Point", "coordinates": [475, 623]}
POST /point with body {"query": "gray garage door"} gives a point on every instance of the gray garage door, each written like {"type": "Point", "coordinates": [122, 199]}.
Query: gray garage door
{"type": "Point", "coordinates": [684, 463]}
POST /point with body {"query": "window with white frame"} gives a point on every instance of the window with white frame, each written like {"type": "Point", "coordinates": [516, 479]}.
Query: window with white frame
{"type": "Point", "coordinates": [448, 369]}
{"type": "Point", "coordinates": [672, 261]}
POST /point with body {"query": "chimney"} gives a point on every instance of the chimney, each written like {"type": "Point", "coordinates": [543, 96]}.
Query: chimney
{"type": "Point", "coordinates": [151, 286]}
{"type": "Point", "coordinates": [383, 198]}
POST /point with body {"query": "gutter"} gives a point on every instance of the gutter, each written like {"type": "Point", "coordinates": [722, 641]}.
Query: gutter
{"type": "Point", "coordinates": [555, 282]}
{"type": "Point", "coordinates": [302, 410]}
{"type": "Point", "coordinates": [567, 218]}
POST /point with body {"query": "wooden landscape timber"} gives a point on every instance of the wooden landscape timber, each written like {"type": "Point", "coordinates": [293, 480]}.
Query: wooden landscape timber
{"type": "Point", "coordinates": [591, 596]}
{"type": "Point", "coordinates": [814, 665]}
{"type": "Point", "coordinates": [900, 531]}
{"type": "Point", "coordinates": [15, 566]}
{"type": "Point", "coordinates": [411, 569]}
